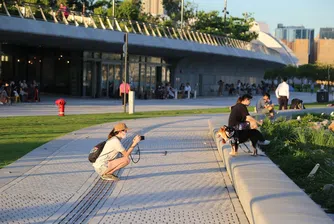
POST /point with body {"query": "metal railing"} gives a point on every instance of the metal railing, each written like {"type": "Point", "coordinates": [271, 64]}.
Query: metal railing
{"type": "Point", "coordinates": [90, 20]}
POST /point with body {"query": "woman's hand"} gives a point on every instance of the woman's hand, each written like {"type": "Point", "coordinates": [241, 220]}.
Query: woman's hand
{"type": "Point", "coordinates": [135, 140]}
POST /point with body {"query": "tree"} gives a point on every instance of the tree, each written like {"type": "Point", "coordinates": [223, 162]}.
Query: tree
{"type": "Point", "coordinates": [128, 9]}
{"type": "Point", "coordinates": [238, 28]}
{"type": "Point", "coordinates": [173, 9]}
{"type": "Point", "coordinates": [209, 22]}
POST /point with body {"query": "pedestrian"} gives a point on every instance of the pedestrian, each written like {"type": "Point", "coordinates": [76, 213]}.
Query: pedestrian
{"type": "Point", "coordinates": [124, 88]}
{"type": "Point", "coordinates": [108, 162]}
{"type": "Point", "coordinates": [282, 94]}
{"type": "Point", "coordinates": [220, 87]}
{"type": "Point", "coordinates": [312, 88]}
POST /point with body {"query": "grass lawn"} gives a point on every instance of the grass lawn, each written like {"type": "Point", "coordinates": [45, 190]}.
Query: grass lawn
{"type": "Point", "coordinates": [20, 135]}
{"type": "Point", "coordinates": [23, 134]}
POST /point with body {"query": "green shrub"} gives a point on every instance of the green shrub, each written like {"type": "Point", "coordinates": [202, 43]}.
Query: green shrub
{"type": "Point", "coordinates": [297, 147]}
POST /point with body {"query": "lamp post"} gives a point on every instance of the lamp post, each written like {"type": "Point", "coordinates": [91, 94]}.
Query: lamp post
{"type": "Point", "coordinates": [225, 13]}
{"type": "Point", "coordinates": [182, 9]}
{"type": "Point", "coordinates": [328, 78]}
{"type": "Point", "coordinates": [113, 8]}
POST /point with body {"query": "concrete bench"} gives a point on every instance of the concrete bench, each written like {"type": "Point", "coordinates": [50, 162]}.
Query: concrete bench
{"type": "Point", "coordinates": [265, 192]}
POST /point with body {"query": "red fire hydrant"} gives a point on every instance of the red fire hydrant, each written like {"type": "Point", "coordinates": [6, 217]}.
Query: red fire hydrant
{"type": "Point", "coordinates": [61, 106]}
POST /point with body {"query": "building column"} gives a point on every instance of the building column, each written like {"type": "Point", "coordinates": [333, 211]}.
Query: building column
{"type": "Point", "coordinates": [0, 61]}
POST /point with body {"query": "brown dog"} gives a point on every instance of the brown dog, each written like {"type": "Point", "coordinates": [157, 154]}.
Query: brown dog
{"type": "Point", "coordinates": [241, 136]}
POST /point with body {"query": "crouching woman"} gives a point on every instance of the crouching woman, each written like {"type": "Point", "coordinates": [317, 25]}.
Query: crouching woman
{"type": "Point", "coordinates": [109, 161]}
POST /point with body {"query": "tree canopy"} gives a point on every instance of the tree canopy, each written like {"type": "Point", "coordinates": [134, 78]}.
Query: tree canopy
{"type": "Point", "coordinates": [311, 72]}
{"type": "Point", "coordinates": [208, 22]}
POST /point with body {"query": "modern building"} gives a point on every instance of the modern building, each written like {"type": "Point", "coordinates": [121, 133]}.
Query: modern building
{"type": "Point", "coordinates": [324, 46]}
{"type": "Point", "coordinates": [268, 40]}
{"type": "Point", "coordinates": [154, 7]}
{"type": "Point", "coordinates": [299, 39]}
{"type": "Point", "coordinates": [81, 56]}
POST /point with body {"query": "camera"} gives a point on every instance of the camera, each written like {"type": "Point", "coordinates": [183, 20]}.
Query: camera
{"type": "Point", "coordinates": [142, 138]}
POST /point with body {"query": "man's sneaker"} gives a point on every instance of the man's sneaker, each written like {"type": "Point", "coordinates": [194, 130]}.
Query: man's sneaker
{"type": "Point", "coordinates": [109, 177]}
{"type": "Point", "coordinates": [265, 142]}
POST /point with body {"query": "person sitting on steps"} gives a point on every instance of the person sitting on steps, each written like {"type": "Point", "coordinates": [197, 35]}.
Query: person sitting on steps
{"type": "Point", "coordinates": [265, 106]}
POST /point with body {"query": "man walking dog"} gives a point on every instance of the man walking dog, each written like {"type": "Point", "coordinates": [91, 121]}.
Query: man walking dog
{"type": "Point", "coordinates": [282, 94]}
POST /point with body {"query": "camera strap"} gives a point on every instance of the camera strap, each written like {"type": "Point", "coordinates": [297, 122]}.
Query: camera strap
{"type": "Point", "coordinates": [138, 151]}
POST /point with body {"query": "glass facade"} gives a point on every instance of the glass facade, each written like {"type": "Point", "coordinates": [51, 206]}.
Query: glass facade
{"type": "Point", "coordinates": [81, 73]}
{"type": "Point", "coordinates": [144, 74]}
{"type": "Point", "coordinates": [290, 33]}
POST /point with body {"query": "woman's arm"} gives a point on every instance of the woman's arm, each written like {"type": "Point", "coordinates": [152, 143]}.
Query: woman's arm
{"type": "Point", "coordinates": [127, 153]}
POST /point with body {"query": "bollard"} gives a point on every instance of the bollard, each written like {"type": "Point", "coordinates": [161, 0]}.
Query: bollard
{"type": "Point", "coordinates": [195, 94]}
{"type": "Point", "coordinates": [131, 102]}
{"type": "Point", "coordinates": [175, 96]}
{"type": "Point", "coordinates": [188, 94]}
{"type": "Point", "coordinates": [61, 107]}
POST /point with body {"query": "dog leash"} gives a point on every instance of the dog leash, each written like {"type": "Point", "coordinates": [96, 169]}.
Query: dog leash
{"type": "Point", "coordinates": [249, 151]}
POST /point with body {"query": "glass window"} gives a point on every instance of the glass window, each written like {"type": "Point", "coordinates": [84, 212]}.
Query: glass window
{"type": "Point", "coordinates": [97, 55]}
{"type": "Point", "coordinates": [148, 78]}
{"type": "Point", "coordinates": [168, 75]}
{"type": "Point", "coordinates": [87, 79]}
{"type": "Point", "coordinates": [142, 78]}
{"type": "Point", "coordinates": [134, 75]}
{"type": "Point", "coordinates": [153, 78]}
{"type": "Point", "coordinates": [154, 60]}
{"type": "Point", "coordinates": [104, 84]}
{"type": "Point", "coordinates": [111, 57]}
{"type": "Point", "coordinates": [134, 58]}
{"type": "Point", "coordinates": [88, 54]}
{"type": "Point", "coordinates": [118, 76]}
{"type": "Point", "coordinates": [163, 75]}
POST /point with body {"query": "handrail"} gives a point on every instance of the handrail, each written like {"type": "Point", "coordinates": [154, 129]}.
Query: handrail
{"type": "Point", "coordinates": [74, 18]}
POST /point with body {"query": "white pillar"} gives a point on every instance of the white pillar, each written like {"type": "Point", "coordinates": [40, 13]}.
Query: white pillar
{"type": "Point", "coordinates": [131, 102]}
{"type": "Point", "coordinates": [188, 94]}
{"type": "Point", "coordinates": [195, 94]}
{"type": "Point", "coordinates": [175, 95]}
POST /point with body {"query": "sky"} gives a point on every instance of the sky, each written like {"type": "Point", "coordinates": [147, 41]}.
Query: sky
{"type": "Point", "coordinates": [312, 14]}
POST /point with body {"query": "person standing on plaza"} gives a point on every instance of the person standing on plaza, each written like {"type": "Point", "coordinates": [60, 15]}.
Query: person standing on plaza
{"type": "Point", "coordinates": [312, 87]}
{"type": "Point", "coordinates": [282, 94]}
{"type": "Point", "coordinates": [220, 88]}
{"type": "Point", "coordinates": [124, 88]}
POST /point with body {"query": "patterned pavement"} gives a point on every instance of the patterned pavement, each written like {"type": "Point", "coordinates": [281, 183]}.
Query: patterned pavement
{"type": "Point", "coordinates": [179, 179]}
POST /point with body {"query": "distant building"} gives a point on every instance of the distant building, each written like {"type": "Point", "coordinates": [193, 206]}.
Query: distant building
{"type": "Point", "coordinates": [299, 39]}
{"type": "Point", "coordinates": [326, 33]}
{"type": "Point", "coordinates": [324, 46]}
{"type": "Point", "coordinates": [154, 7]}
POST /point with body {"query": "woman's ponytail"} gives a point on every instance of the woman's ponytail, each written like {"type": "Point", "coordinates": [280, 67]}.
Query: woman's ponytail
{"type": "Point", "coordinates": [112, 133]}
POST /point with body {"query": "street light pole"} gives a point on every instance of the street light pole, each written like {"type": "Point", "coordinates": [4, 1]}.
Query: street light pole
{"type": "Point", "coordinates": [113, 8]}
{"type": "Point", "coordinates": [225, 12]}
{"type": "Point", "coordinates": [329, 77]}
{"type": "Point", "coordinates": [182, 9]}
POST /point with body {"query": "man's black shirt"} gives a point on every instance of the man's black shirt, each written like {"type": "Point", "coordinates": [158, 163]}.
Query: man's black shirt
{"type": "Point", "coordinates": [238, 115]}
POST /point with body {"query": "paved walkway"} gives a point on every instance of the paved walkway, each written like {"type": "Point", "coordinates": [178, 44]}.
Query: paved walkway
{"type": "Point", "coordinates": [90, 106]}
{"type": "Point", "coordinates": [179, 179]}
